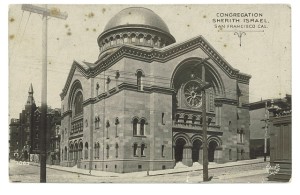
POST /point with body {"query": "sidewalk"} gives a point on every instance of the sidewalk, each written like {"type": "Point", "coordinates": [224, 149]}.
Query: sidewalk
{"type": "Point", "coordinates": [179, 168]}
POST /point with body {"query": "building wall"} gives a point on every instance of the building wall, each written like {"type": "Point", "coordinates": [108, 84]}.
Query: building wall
{"type": "Point", "coordinates": [14, 138]}
{"type": "Point", "coordinates": [119, 98]}
{"type": "Point", "coordinates": [256, 126]}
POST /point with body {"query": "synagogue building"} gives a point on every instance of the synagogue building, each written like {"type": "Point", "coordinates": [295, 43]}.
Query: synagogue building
{"type": "Point", "coordinates": [138, 107]}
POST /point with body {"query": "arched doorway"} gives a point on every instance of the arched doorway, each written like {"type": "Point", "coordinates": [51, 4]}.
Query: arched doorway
{"type": "Point", "coordinates": [179, 149]}
{"type": "Point", "coordinates": [76, 153]}
{"type": "Point", "coordinates": [195, 150]}
{"type": "Point", "coordinates": [211, 150]}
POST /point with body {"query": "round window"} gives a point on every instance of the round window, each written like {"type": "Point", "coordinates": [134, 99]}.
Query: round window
{"type": "Point", "coordinates": [193, 94]}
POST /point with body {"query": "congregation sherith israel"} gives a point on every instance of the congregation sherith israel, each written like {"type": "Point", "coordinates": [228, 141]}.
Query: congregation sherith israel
{"type": "Point", "coordinates": [138, 107]}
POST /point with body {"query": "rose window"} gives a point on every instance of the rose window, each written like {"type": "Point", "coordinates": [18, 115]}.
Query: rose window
{"type": "Point", "coordinates": [193, 94]}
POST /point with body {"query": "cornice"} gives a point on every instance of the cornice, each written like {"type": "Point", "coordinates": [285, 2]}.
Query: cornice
{"type": "Point", "coordinates": [221, 101]}
{"type": "Point", "coordinates": [68, 112]}
{"type": "Point", "coordinates": [130, 87]}
{"type": "Point", "coordinates": [158, 55]}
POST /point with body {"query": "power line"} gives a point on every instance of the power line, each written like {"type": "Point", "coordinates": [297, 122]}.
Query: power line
{"type": "Point", "coordinates": [25, 26]}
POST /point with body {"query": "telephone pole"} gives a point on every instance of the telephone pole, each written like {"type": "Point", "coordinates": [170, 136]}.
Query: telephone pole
{"type": "Point", "coordinates": [204, 126]}
{"type": "Point", "coordinates": [203, 86]}
{"type": "Point", "coordinates": [43, 130]}
{"type": "Point", "coordinates": [266, 119]}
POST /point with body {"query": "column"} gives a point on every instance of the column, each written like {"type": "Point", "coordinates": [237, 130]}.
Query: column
{"type": "Point", "coordinates": [218, 155]}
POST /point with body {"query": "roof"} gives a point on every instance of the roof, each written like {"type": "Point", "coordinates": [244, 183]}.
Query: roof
{"type": "Point", "coordinates": [137, 16]}
{"type": "Point", "coordinates": [91, 70]}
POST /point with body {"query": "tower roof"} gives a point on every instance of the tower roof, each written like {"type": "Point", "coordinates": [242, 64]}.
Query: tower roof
{"type": "Point", "coordinates": [30, 91]}
{"type": "Point", "coordinates": [136, 26]}
{"type": "Point", "coordinates": [30, 99]}
{"type": "Point", "coordinates": [137, 16]}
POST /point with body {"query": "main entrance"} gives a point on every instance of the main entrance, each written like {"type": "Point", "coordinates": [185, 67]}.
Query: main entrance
{"type": "Point", "coordinates": [196, 150]}
{"type": "Point", "coordinates": [179, 149]}
{"type": "Point", "coordinates": [211, 150]}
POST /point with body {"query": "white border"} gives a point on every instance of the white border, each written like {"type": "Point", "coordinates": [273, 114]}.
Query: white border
{"type": "Point", "coordinates": [10, 188]}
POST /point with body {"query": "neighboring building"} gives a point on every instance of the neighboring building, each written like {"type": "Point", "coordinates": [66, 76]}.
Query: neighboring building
{"type": "Point", "coordinates": [26, 137]}
{"type": "Point", "coordinates": [281, 139]}
{"type": "Point", "coordinates": [138, 107]}
{"type": "Point", "coordinates": [14, 138]}
{"type": "Point", "coordinates": [258, 113]}
{"type": "Point", "coordinates": [259, 119]}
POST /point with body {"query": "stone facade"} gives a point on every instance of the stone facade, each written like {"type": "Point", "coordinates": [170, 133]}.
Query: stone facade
{"type": "Point", "coordinates": [141, 107]}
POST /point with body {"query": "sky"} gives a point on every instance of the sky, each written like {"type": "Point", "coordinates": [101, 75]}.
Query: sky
{"type": "Point", "coordinates": [265, 53]}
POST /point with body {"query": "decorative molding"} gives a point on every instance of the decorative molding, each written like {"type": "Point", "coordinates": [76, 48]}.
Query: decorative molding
{"type": "Point", "coordinates": [75, 136]}
{"type": "Point", "coordinates": [91, 70]}
{"type": "Point", "coordinates": [131, 87]}
{"type": "Point", "coordinates": [221, 101]}
{"type": "Point", "coordinates": [67, 113]}
{"type": "Point", "coordinates": [209, 132]}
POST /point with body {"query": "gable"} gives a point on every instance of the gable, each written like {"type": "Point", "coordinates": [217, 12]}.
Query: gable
{"type": "Point", "coordinates": [89, 70]}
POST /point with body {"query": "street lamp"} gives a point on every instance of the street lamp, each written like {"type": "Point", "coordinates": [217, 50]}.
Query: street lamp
{"type": "Point", "coordinates": [202, 89]}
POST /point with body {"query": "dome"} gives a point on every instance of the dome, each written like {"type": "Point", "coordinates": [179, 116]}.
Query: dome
{"type": "Point", "coordinates": [135, 26]}
{"type": "Point", "coordinates": [137, 16]}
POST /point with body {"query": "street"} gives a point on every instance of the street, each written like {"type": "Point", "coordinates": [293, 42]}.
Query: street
{"type": "Point", "coordinates": [250, 173]}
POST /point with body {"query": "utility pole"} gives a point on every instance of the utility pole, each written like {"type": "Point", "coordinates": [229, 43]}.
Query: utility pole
{"type": "Point", "coordinates": [266, 119]}
{"type": "Point", "coordinates": [201, 90]}
{"type": "Point", "coordinates": [43, 130]}
{"type": "Point", "coordinates": [204, 126]}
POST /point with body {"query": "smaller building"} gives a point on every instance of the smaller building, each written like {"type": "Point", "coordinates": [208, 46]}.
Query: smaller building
{"type": "Point", "coordinates": [14, 138]}
{"type": "Point", "coordinates": [259, 116]}
{"type": "Point", "coordinates": [25, 133]}
{"type": "Point", "coordinates": [281, 140]}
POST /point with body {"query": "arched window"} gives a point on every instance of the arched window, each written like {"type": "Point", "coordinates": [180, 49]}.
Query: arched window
{"type": "Point", "coordinates": [86, 150]}
{"type": "Point", "coordinates": [135, 149]}
{"type": "Point", "coordinates": [95, 149]}
{"type": "Point", "coordinates": [97, 152]}
{"type": "Point", "coordinates": [71, 152]}
{"type": "Point", "coordinates": [209, 121]}
{"type": "Point", "coordinates": [97, 89]}
{"type": "Point", "coordinates": [107, 127]}
{"type": "Point", "coordinates": [143, 150]}
{"type": "Point", "coordinates": [107, 151]}
{"type": "Point", "coordinates": [185, 119]}
{"type": "Point", "coordinates": [80, 148]}
{"type": "Point", "coordinates": [177, 118]}
{"type": "Point", "coordinates": [76, 152]}
{"type": "Point", "coordinates": [66, 153]}
{"type": "Point", "coordinates": [117, 123]}
{"type": "Point", "coordinates": [78, 108]}
{"type": "Point", "coordinates": [142, 127]}
{"type": "Point", "coordinates": [162, 150]}
{"type": "Point", "coordinates": [133, 38]}
{"type": "Point", "coordinates": [134, 124]}
{"type": "Point", "coordinates": [117, 150]}
{"type": "Point", "coordinates": [193, 120]}
{"type": "Point", "coordinates": [139, 75]}
{"type": "Point", "coordinates": [97, 122]}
